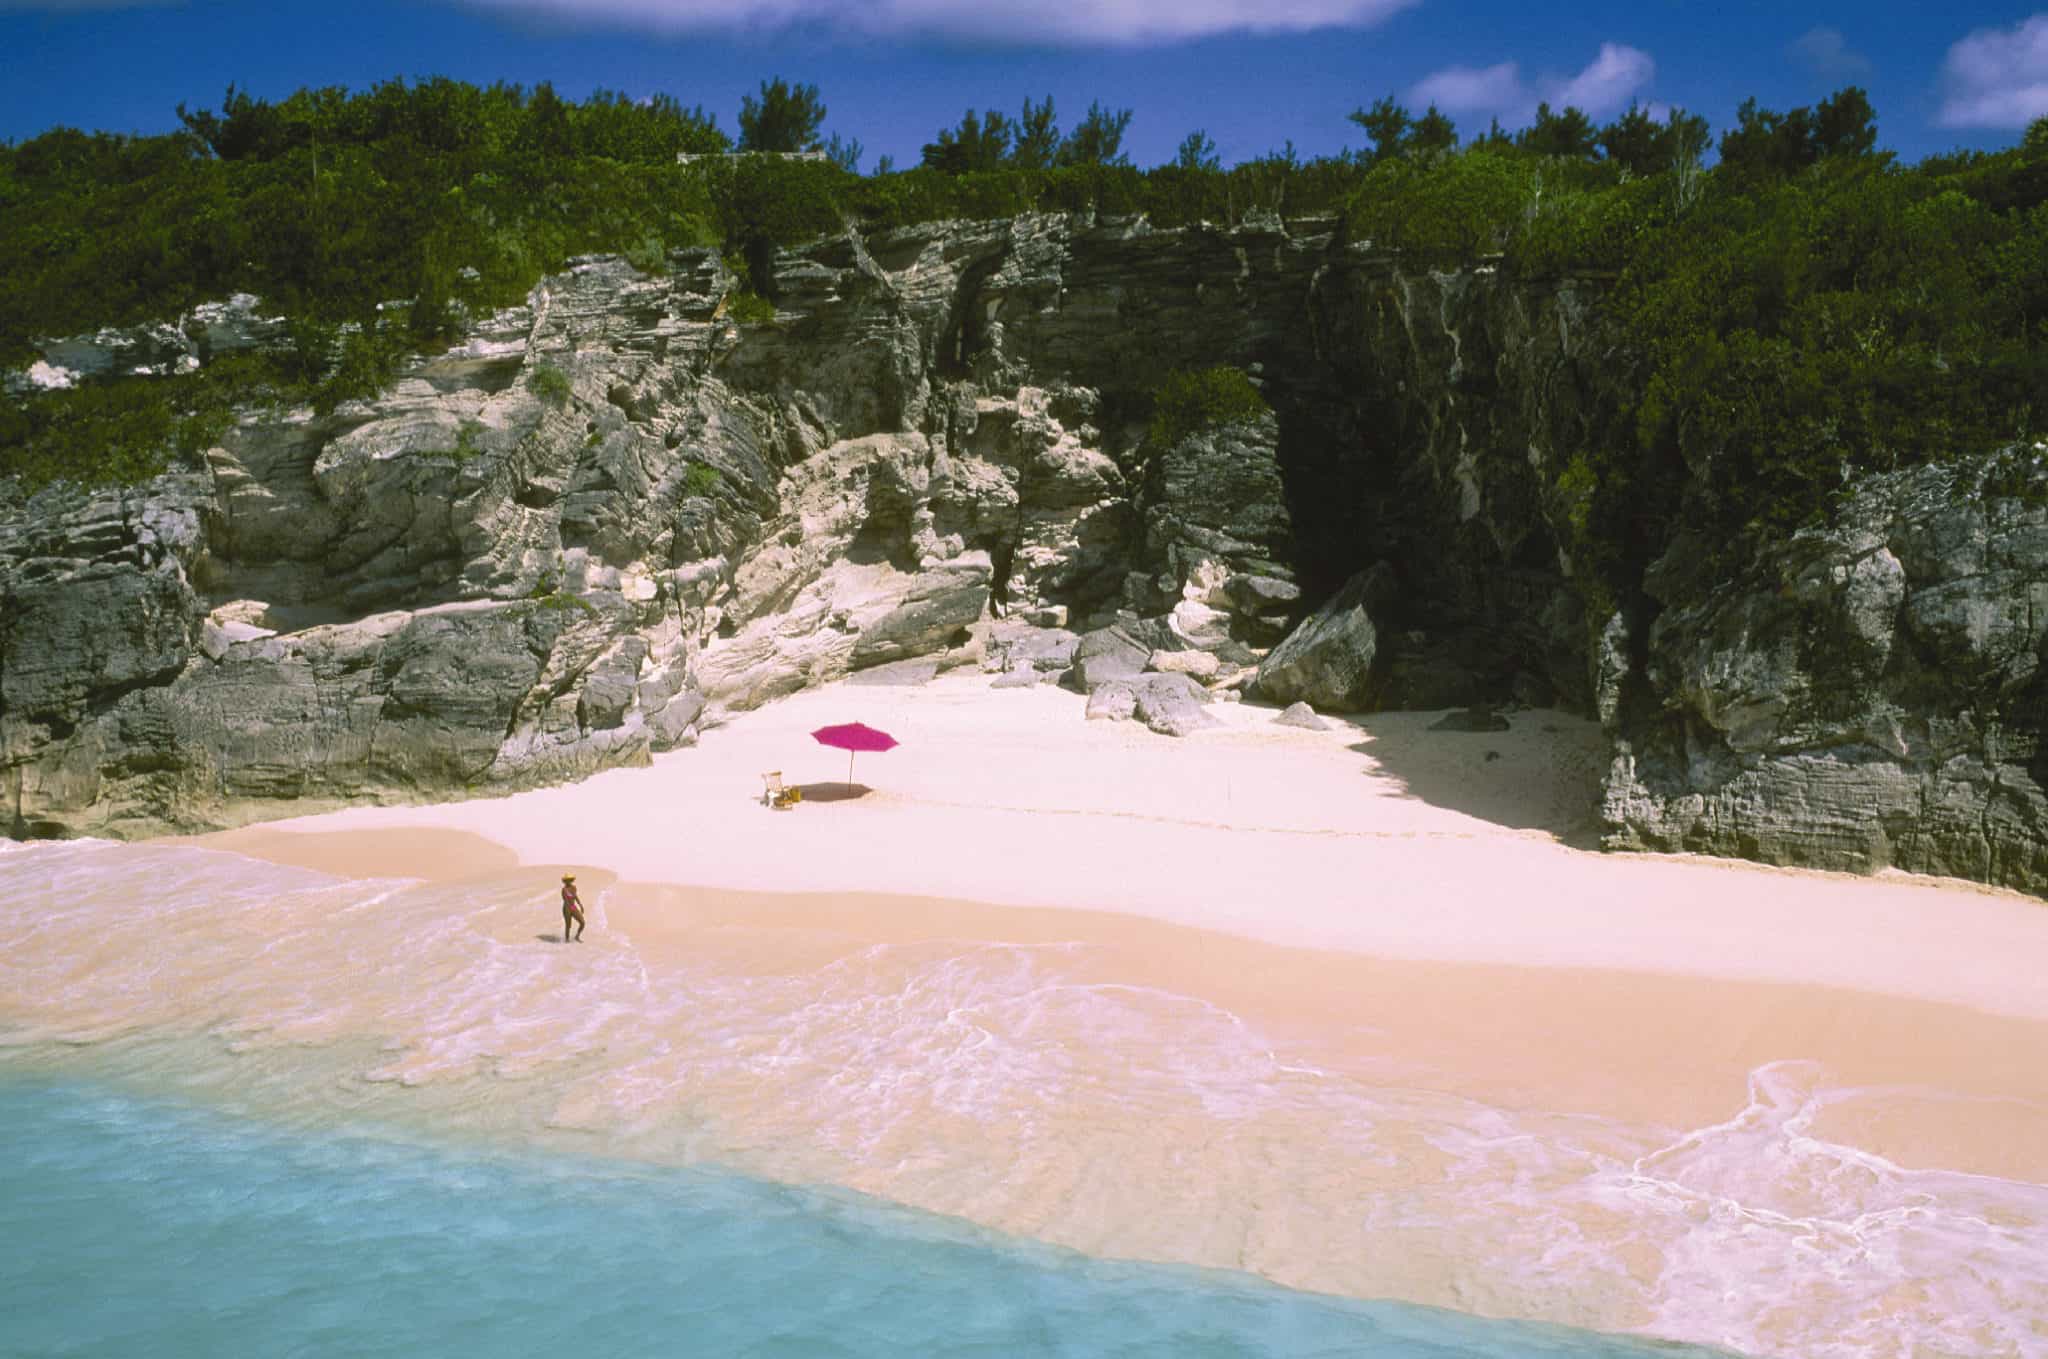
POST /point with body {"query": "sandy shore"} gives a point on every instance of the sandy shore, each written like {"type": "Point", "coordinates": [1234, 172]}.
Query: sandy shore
{"type": "Point", "coordinates": [1702, 1050]}
{"type": "Point", "coordinates": [1379, 837]}
{"type": "Point", "coordinates": [1667, 1048]}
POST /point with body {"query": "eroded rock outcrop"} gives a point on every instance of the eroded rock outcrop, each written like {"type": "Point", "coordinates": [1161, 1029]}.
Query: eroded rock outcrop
{"type": "Point", "coordinates": [1333, 660]}
{"type": "Point", "coordinates": [1871, 694]}
{"type": "Point", "coordinates": [610, 516]}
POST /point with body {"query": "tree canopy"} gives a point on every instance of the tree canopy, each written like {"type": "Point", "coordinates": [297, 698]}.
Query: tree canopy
{"type": "Point", "coordinates": [1394, 131]}
{"type": "Point", "coordinates": [784, 118]}
{"type": "Point", "coordinates": [1764, 143]}
{"type": "Point", "coordinates": [1803, 308]}
{"type": "Point", "coordinates": [1098, 139]}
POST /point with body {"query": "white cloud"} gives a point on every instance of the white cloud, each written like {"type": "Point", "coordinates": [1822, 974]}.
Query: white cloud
{"type": "Point", "coordinates": [1472, 89]}
{"type": "Point", "coordinates": [1068, 22]}
{"type": "Point", "coordinates": [1997, 77]}
{"type": "Point", "coordinates": [1605, 86]}
{"type": "Point", "coordinates": [1827, 52]}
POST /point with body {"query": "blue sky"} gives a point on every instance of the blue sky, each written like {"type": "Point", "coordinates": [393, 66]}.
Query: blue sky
{"type": "Point", "coordinates": [1252, 73]}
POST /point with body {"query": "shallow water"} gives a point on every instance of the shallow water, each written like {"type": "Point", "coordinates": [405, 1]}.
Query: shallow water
{"type": "Point", "coordinates": [165, 1229]}
{"type": "Point", "coordinates": [998, 1084]}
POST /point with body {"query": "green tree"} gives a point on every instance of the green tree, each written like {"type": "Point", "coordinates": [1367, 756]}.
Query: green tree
{"type": "Point", "coordinates": [1686, 139]}
{"type": "Point", "coordinates": [1037, 136]}
{"type": "Point", "coordinates": [546, 134]}
{"type": "Point", "coordinates": [1565, 132]}
{"type": "Point", "coordinates": [650, 131]}
{"type": "Point", "coordinates": [1633, 141]}
{"type": "Point", "coordinates": [245, 128]}
{"type": "Point", "coordinates": [1845, 124]}
{"type": "Point", "coordinates": [981, 143]}
{"type": "Point", "coordinates": [844, 152]}
{"type": "Point", "coordinates": [784, 118]}
{"type": "Point", "coordinates": [1197, 152]}
{"type": "Point", "coordinates": [1098, 139]}
{"type": "Point", "coordinates": [1766, 144]}
{"type": "Point", "coordinates": [1433, 132]}
{"type": "Point", "coordinates": [1643, 146]}
{"type": "Point", "coordinates": [1387, 123]}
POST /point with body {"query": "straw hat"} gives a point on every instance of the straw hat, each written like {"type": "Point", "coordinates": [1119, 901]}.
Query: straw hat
{"type": "Point", "coordinates": [568, 877]}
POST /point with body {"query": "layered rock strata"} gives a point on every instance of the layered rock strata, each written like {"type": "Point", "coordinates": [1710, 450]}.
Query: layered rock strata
{"type": "Point", "coordinates": [612, 515]}
{"type": "Point", "coordinates": [1867, 695]}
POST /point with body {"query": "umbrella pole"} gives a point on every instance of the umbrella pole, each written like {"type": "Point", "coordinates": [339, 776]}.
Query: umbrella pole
{"type": "Point", "coordinates": [849, 771]}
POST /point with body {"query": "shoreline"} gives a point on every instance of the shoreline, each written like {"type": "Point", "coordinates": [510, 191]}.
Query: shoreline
{"type": "Point", "coordinates": [1646, 1047]}
{"type": "Point", "coordinates": [1382, 1034]}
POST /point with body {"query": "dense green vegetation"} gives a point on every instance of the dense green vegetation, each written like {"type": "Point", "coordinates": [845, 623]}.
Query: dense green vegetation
{"type": "Point", "coordinates": [1803, 308]}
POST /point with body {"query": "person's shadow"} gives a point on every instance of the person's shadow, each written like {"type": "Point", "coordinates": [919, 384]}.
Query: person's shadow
{"type": "Point", "coordinates": [552, 938]}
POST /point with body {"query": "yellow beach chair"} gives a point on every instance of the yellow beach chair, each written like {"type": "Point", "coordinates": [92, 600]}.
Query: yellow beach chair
{"type": "Point", "coordinates": [776, 794]}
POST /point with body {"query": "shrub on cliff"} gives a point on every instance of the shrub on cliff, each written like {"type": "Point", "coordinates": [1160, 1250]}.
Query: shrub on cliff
{"type": "Point", "coordinates": [1209, 398]}
{"type": "Point", "coordinates": [1454, 208]}
{"type": "Point", "coordinates": [550, 384]}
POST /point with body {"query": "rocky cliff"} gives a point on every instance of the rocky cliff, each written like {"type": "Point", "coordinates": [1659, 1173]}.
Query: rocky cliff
{"type": "Point", "coordinates": [611, 515]}
{"type": "Point", "coordinates": [1869, 694]}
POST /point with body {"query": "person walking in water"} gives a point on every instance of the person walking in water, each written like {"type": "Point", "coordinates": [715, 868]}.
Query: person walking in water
{"type": "Point", "coordinates": [572, 909]}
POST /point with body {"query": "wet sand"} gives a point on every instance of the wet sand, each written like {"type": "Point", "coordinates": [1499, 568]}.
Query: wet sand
{"type": "Point", "coordinates": [1347, 1009]}
{"type": "Point", "coordinates": [1662, 1048]}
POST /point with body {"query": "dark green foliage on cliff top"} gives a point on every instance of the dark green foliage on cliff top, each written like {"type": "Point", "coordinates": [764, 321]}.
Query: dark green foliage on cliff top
{"type": "Point", "coordinates": [1847, 318]}
{"type": "Point", "coordinates": [327, 204]}
{"type": "Point", "coordinates": [1802, 311]}
{"type": "Point", "coordinates": [784, 118]}
{"type": "Point", "coordinates": [1209, 398]}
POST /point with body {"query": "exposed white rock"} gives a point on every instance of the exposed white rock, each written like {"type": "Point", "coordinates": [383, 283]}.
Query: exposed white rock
{"type": "Point", "coordinates": [1200, 664]}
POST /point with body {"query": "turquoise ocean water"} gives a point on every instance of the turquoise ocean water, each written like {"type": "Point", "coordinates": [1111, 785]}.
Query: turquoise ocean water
{"type": "Point", "coordinates": [133, 1224]}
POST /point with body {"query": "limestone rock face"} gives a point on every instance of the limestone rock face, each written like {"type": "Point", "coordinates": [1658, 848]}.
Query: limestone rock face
{"type": "Point", "coordinates": [1330, 660]}
{"type": "Point", "coordinates": [1867, 695]}
{"type": "Point", "coordinates": [609, 517]}
{"type": "Point", "coordinates": [1218, 545]}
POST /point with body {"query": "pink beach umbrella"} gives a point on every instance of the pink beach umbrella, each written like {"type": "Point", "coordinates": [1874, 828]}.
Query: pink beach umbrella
{"type": "Point", "coordinates": [852, 737]}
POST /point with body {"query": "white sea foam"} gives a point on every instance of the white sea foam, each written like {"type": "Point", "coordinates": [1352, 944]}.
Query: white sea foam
{"type": "Point", "coordinates": [998, 1082]}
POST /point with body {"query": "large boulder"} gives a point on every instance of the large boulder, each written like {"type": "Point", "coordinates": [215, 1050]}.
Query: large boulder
{"type": "Point", "coordinates": [1110, 653]}
{"type": "Point", "coordinates": [1014, 646]}
{"type": "Point", "coordinates": [1216, 496]}
{"type": "Point", "coordinates": [1330, 659]}
{"type": "Point", "coordinates": [1115, 700]}
{"type": "Point", "coordinates": [1171, 704]}
{"type": "Point", "coordinates": [1203, 665]}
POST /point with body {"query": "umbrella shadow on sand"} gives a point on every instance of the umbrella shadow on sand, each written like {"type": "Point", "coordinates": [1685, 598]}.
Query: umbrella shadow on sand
{"type": "Point", "coordinates": [833, 792]}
